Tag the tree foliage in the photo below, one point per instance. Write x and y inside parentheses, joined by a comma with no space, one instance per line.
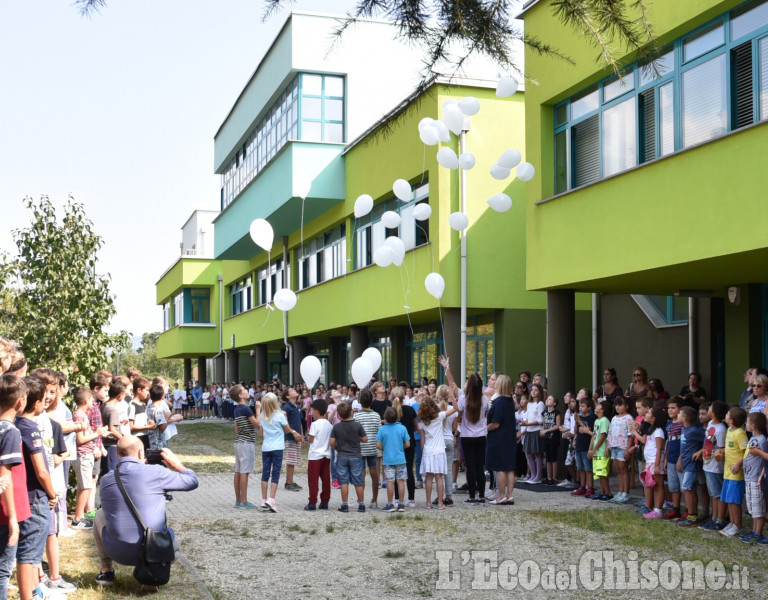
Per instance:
(485,27)
(52,300)
(145,360)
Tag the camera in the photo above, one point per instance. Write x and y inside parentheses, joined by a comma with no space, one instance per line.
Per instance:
(154,457)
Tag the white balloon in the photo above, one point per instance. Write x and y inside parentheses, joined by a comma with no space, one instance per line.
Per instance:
(310,369)
(469,105)
(447,158)
(499,172)
(262,234)
(506,87)
(450,102)
(453,118)
(398,249)
(443,134)
(509,159)
(422,211)
(429,136)
(363,205)
(284,299)
(525,171)
(467,161)
(435,285)
(383,256)
(373,356)
(425,122)
(500,202)
(402,189)
(458,221)
(391,219)
(362,371)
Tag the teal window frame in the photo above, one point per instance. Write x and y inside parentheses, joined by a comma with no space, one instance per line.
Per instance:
(565,174)
(666,308)
(368,229)
(197,305)
(324,97)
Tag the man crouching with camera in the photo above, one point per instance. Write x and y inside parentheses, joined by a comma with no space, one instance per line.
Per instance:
(117,532)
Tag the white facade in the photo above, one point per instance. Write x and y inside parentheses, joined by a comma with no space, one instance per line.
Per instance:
(197,234)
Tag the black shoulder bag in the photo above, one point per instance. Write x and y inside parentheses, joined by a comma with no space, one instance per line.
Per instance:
(156,553)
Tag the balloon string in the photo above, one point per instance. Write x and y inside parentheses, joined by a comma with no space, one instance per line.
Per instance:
(405,300)
(442,325)
(351,247)
(268,302)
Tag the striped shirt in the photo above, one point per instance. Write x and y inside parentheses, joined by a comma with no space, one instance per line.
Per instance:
(371,421)
(246,432)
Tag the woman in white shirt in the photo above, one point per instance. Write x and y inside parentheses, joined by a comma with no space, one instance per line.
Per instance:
(534,418)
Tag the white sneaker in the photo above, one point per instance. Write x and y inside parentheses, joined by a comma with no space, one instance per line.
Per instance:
(564,483)
(730,530)
(373,505)
(410,504)
(491,495)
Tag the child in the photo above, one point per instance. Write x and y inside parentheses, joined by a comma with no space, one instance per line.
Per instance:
(618,444)
(584,421)
(137,411)
(392,439)
(85,459)
(99,386)
(14,503)
(642,407)
(653,455)
(712,455)
(691,441)
(550,437)
(158,414)
(733,476)
(290,399)
(346,437)
(319,458)
(274,426)
(534,417)
(371,422)
(674,429)
(569,435)
(444,396)
(753,477)
(110,416)
(246,424)
(756,450)
(521,470)
(433,461)
(598,452)
(703,493)
(33,532)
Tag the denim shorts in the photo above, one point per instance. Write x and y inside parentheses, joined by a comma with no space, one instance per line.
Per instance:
(714,484)
(674,479)
(33,532)
(350,469)
(583,462)
(395,472)
(617,453)
(690,480)
(370,461)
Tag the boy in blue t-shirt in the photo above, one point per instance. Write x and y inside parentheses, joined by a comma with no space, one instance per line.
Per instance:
(691,441)
(673,432)
(392,439)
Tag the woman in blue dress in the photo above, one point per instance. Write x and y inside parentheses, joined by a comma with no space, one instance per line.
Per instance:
(501,455)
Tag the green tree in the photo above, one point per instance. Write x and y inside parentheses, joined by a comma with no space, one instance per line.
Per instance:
(485,27)
(145,360)
(53,301)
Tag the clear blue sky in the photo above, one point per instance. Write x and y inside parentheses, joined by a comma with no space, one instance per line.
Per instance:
(120,110)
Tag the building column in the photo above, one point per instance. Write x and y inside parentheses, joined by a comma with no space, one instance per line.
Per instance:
(300,351)
(187,370)
(233,365)
(220,368)
(452,342)
(262,362)
(561,341)
(202,371)
(398,338)
(358,337)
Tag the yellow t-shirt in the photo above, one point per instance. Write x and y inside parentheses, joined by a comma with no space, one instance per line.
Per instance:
(735,443)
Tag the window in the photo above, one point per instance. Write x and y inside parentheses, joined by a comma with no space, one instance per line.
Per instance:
(270,279)
(197,307)
(707,83)
(166,316)
(480,346)
(383,344)
(370,232)
(322,108)
(241,296)
(178,309)
(424,348)
(325,257)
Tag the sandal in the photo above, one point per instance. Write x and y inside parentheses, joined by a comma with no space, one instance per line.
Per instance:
(441,507)
(429,506)
(509,501)
(498,501)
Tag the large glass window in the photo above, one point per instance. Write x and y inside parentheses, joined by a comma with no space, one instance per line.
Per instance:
(424,348)
(325,257)
(166,316)
(241,295)
(197,305)
(320,101)
(707,83)
(178,309)
(481,355)
(270,279)
(370,232)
